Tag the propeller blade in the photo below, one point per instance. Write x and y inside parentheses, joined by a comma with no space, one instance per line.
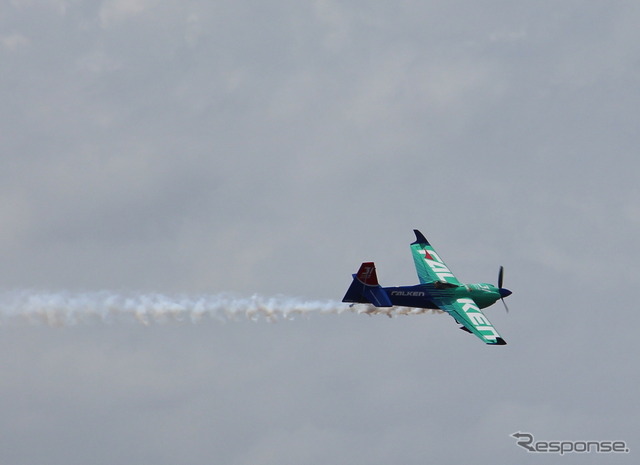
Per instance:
(503,292)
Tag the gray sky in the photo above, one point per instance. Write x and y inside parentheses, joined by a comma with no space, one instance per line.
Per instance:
(271,147)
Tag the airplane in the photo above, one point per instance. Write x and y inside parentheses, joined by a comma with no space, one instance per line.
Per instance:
(438,289)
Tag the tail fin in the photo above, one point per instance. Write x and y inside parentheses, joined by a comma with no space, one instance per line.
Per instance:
(365,288)
(367,274)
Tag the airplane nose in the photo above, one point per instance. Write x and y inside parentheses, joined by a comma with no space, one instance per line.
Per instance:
(505,292)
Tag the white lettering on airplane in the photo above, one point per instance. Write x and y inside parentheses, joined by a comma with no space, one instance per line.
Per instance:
(366,273)
(408,293)
(437,265)
(478,319)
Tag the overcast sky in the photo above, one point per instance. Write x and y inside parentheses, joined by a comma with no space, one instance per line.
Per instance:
(238,146)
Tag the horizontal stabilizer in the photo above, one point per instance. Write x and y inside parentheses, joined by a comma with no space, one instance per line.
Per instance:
(377,296)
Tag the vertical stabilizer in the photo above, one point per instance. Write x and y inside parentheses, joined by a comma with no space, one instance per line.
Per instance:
(365,288)
(367,274)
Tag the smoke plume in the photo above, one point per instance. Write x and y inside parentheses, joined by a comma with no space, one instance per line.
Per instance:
(66,308)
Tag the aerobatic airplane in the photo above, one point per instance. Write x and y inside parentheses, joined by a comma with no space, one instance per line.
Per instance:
(438,289)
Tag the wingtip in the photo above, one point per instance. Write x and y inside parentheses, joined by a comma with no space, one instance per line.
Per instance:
(500,342)
(420,239)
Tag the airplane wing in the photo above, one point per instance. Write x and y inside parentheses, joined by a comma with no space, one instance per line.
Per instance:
(429,265)
(466,312)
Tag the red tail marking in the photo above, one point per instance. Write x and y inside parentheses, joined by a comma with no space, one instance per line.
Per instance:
(367,274)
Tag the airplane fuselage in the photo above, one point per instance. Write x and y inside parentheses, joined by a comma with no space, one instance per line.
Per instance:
(427,295)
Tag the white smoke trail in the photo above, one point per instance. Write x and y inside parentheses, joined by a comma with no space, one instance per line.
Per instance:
(65,308)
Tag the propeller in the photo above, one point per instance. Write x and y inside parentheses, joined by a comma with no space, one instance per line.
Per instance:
(503,292)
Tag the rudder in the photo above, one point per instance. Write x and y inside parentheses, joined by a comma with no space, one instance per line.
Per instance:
(367,274)
(366,289)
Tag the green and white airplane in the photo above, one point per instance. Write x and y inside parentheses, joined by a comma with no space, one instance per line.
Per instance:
(438,289)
